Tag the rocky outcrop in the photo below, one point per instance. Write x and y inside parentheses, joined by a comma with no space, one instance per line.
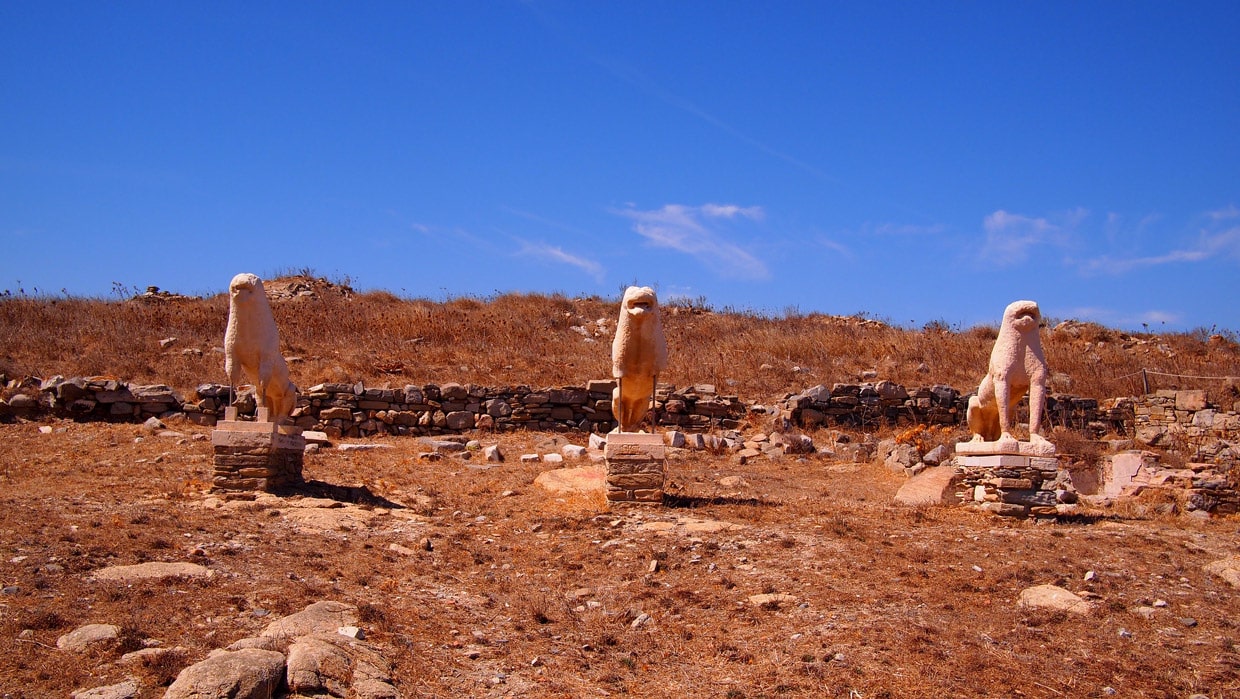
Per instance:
(315,652)
(243,674)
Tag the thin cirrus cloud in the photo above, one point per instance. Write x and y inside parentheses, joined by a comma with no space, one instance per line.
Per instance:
(1218,236)
(695,231)
(1010,237)
(1108,316)
(555,253)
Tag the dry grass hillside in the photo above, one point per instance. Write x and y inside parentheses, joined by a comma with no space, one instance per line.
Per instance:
(780,576)
(331,333)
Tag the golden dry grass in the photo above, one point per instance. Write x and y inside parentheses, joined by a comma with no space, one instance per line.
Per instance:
(554,340)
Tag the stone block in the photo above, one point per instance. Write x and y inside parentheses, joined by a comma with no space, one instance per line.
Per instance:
(1013,461)
(256,455)
(1190,400)
(635,467)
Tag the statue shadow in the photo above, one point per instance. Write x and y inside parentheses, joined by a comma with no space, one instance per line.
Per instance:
(355,495)
(693,501)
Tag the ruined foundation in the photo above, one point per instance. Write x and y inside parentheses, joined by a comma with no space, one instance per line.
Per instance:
(636,467)
(1013,485)
(256,456)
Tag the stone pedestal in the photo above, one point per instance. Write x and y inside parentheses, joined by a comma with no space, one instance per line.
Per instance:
(257,455)
(636,467)
(1010,483)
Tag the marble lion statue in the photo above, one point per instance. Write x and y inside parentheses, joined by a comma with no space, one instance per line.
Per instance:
(1017,365)
(638,354)
(252,347)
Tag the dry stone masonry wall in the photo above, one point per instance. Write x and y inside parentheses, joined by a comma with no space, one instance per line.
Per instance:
(354,410)
(886,403)
(1180,419)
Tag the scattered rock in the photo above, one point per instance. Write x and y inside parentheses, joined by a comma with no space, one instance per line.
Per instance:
(932,486)
(402,550)
(573,451)
(772,599)
(147,656)
(1053,597)
(936,456)
(493,454)
(1227,569)
(313,437)
(124,690)
(153,570)
(89,635)
(902,456)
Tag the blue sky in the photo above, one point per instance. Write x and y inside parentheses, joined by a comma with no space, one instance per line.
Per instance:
(912,161)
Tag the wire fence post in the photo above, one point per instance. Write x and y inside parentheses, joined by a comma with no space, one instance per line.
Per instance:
(1145,383)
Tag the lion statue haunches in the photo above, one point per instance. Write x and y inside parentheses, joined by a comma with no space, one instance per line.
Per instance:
(1017,365)
(638,354)
(252,347)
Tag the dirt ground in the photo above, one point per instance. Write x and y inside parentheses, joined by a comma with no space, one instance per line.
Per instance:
(524,593)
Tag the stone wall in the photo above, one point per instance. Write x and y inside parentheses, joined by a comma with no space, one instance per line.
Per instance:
(354,410)
(1178,420)
(870,405)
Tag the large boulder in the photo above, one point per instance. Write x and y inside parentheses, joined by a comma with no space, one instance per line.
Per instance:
(325,616)
(339,666)
(242,674)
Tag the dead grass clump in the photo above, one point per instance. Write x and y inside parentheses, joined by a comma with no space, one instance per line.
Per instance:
(161,669)
(43,620)
(1078,445)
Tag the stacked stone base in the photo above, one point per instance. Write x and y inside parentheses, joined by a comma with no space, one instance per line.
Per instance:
(256,456)
(636,467)
(1014,485)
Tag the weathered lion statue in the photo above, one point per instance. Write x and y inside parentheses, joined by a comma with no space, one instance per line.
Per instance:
(1017,365)
(638,354)
(252,347)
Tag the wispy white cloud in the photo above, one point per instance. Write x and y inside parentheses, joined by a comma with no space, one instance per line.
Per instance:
(1224,214)
(837,247)
(732,211)
(902,229)
(1218,237)
(1010,237)
(1123,319)
(555,253)
(693,230)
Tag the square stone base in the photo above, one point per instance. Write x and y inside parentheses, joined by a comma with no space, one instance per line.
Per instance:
(1010,485)
(636,467)
(256,456)
(1013,447)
